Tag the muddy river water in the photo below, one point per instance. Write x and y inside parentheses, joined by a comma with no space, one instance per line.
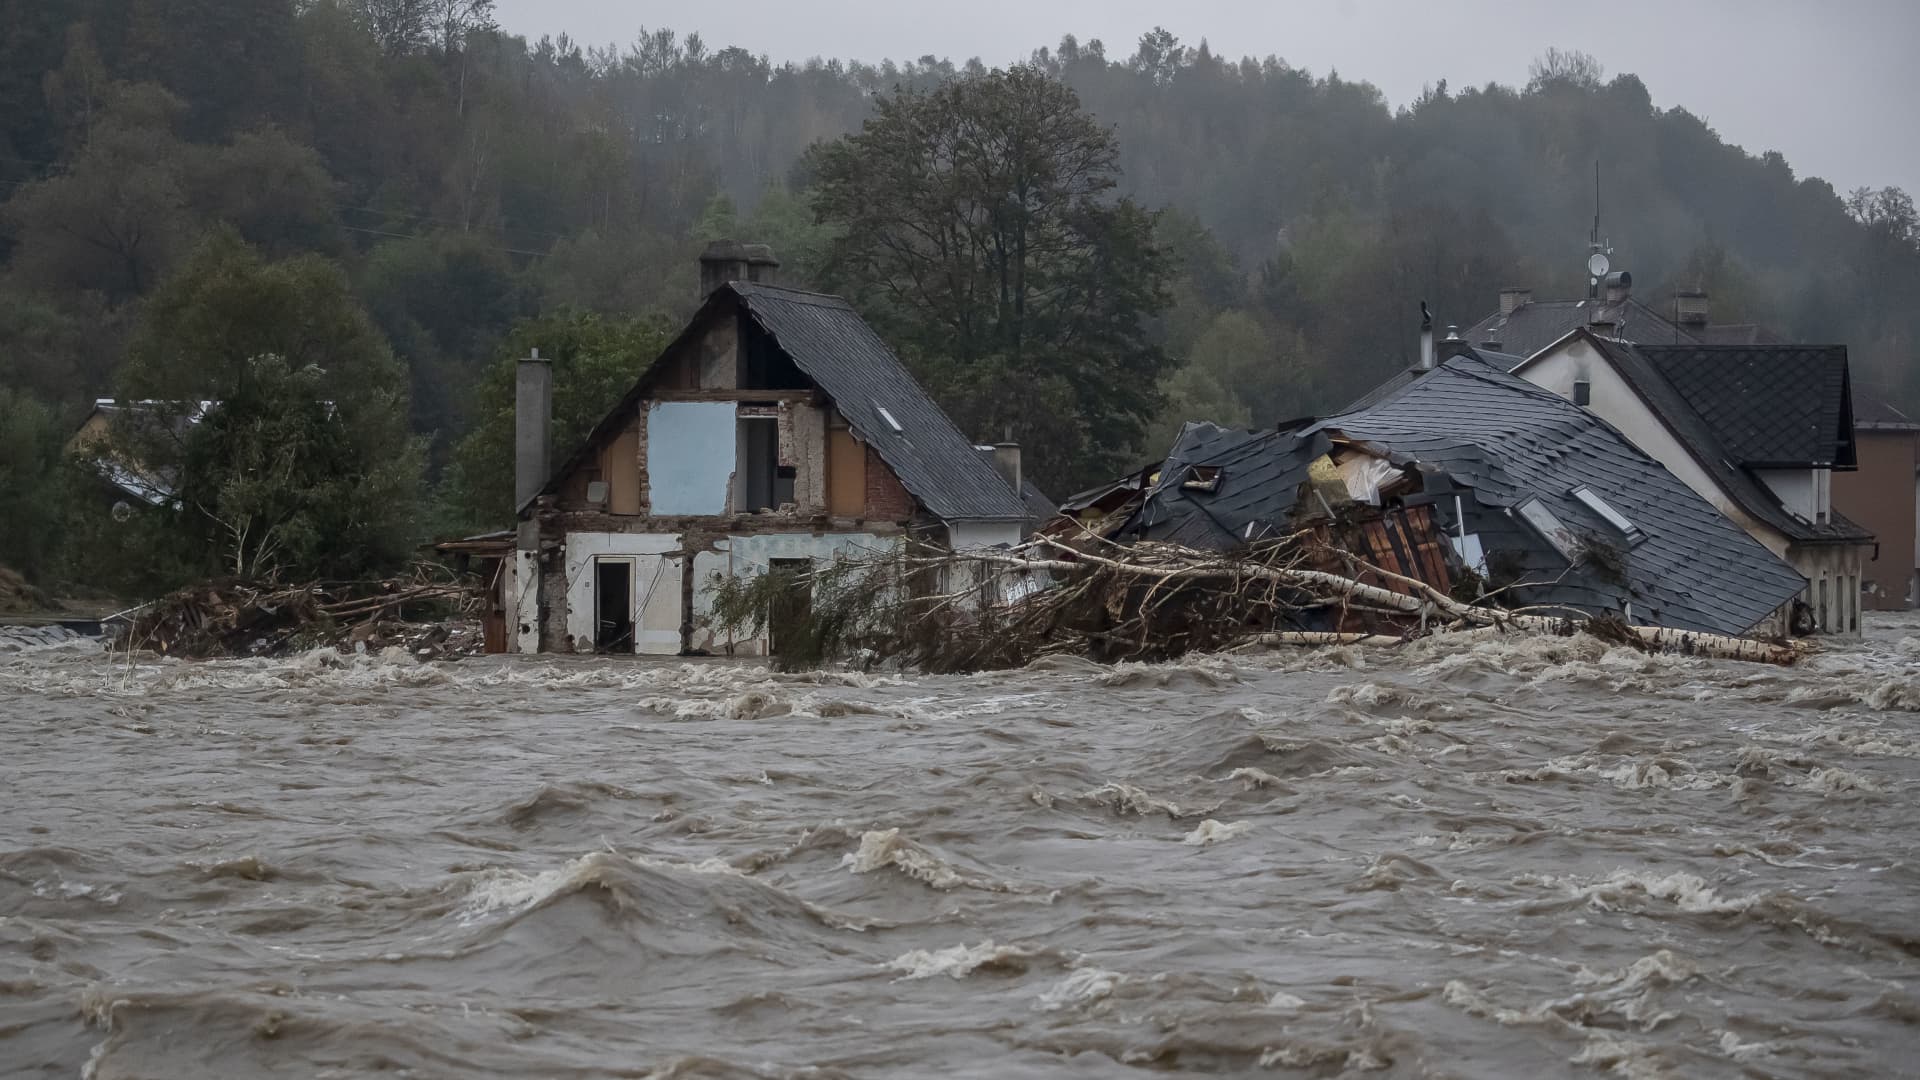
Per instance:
(1487,857)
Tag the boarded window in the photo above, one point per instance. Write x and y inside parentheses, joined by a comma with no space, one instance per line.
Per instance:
(846,474)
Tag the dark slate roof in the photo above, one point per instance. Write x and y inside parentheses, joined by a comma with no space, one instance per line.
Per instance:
(1702,443)
(1260,472)
(1510,440)
(1501,361)
(1535,325)
(1769,406)
(835,347)
(829,342)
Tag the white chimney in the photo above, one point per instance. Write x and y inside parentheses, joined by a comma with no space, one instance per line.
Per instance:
(1513,298)
(1426,338)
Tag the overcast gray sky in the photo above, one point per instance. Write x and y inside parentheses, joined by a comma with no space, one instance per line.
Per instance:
(1833,85)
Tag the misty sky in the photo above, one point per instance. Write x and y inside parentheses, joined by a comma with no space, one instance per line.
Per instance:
(1833,85)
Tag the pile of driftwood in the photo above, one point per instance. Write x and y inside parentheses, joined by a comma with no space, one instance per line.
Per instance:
(423,612)
(942,612)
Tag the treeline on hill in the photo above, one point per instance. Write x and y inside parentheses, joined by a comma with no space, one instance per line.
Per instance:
(343,218)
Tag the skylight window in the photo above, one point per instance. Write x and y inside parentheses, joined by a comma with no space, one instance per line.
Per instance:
(1591,500)
(1202,478)
(888,417)
(1535,513)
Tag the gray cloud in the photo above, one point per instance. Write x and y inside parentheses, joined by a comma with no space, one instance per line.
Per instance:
(1829,85)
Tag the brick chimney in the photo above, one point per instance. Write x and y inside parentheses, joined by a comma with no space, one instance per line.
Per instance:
(730,260)
(1690,307)
(1513,298)
(1619,286)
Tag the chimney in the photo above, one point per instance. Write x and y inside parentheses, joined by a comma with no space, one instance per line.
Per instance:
(728,260)
(1513,298)
(1619,286)
(1426,338)
(1451,346)
(532,427)
(1690,307)
(1006,458)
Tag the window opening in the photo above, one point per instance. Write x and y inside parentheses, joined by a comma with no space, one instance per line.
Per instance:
(1582,392)
(760,464)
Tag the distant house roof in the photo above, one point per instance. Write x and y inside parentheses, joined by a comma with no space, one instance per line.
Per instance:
(1872,413)
(1701,439)
(884,405)
(1510,444)
(1769,406)
(1539,323)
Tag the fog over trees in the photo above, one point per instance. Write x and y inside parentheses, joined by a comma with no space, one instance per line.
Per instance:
(1135,234)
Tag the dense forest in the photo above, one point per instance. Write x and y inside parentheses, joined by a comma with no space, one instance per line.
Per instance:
(376,204)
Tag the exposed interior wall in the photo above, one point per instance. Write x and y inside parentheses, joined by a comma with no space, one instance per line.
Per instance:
(690,456)
(1880,496)
(846,474)
(1615,402)
(654,586)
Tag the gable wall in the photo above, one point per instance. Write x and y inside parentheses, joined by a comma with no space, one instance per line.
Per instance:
(1616,402)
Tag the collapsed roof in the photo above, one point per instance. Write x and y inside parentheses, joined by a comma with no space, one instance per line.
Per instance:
(1535,493)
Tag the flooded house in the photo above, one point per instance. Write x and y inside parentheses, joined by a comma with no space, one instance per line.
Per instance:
(1474,481)
(776,431)
(1759,431)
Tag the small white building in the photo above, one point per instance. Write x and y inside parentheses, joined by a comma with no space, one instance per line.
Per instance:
(1757,430)
(776,429)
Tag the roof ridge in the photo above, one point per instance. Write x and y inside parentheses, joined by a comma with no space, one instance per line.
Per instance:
(798,296)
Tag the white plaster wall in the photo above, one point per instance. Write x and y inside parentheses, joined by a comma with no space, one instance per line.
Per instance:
(1796,489)
(965,535)
(748,556)
(1615,402)
(656,587)
(523,589)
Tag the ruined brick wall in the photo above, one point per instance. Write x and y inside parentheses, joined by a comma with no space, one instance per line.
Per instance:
(887,499)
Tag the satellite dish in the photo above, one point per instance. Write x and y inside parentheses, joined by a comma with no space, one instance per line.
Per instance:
(1597,264)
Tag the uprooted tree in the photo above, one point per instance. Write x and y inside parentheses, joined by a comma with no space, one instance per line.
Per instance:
(930,609)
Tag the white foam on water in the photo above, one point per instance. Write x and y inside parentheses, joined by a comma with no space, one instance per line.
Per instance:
(883,848)
(1083,987)
(956,961)
(1125,798)
(1210,832)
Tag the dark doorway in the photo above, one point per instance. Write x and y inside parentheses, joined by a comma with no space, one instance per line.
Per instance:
(792,607)
(613,605)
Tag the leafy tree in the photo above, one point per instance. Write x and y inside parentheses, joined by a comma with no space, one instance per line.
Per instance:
(595,361)
(33,487)
(115,221)
(978,223)
(301,466)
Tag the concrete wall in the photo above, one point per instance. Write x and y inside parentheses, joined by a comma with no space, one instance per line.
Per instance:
(690,456)
(1880,495)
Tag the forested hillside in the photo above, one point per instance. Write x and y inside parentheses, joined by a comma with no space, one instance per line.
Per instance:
(459,181)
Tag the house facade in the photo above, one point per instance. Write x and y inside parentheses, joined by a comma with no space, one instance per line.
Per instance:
(777,430)
(1881,496)
(1759,431)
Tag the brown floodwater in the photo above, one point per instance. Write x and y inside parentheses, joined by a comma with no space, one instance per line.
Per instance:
(1472,858)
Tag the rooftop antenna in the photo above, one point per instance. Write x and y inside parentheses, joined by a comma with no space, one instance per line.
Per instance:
(1597,249)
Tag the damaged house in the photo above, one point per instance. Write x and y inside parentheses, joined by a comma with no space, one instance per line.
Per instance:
(1471,480)
(1757,430)
(777,430)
